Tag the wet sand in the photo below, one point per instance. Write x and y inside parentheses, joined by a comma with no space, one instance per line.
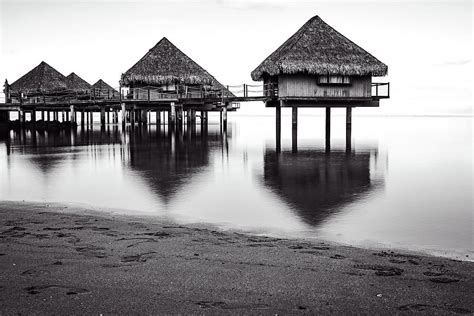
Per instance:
(56,259)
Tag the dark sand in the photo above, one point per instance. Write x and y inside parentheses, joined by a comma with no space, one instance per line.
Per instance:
(56,260)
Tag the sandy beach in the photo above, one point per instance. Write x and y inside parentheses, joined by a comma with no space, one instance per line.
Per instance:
(57,260)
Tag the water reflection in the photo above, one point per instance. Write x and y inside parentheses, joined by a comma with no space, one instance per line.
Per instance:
(168,161)
(316,184)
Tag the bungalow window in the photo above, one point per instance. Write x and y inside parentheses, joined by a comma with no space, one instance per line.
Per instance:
(334,80)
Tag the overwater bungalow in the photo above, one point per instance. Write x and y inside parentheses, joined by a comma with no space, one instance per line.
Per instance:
(320,67)
(166,72)
(102,90)
(318,64)
(78,86)
(42,83)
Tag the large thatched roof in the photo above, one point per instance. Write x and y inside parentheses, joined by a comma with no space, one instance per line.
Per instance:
(76,83)
(102,85)
(317,48)
(41,79)
(164,64)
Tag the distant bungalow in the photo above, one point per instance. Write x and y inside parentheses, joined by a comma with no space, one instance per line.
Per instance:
(43,80)
(318,63)
(167,70)
(102,90)
(78,85)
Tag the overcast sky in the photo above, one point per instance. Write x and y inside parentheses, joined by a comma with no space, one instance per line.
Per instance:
(426,45)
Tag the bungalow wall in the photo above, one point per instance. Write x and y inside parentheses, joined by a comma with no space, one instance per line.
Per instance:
(304,85)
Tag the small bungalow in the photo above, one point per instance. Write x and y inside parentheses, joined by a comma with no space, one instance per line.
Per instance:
(78,86)
(102,90)
(41,82)
(166,71)
(316,64)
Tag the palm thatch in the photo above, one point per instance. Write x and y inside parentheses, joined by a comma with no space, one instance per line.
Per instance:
(41,79)
(317,48)
(166,64)
(77,84)
(102,85)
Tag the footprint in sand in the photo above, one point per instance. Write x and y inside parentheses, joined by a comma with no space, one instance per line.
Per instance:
(142,257)
(380,270)
(432,308)
(38,289)
(444,280)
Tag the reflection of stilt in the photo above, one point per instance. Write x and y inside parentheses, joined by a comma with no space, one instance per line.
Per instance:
(278,127)
(328,129)
(348,129)
(294,129)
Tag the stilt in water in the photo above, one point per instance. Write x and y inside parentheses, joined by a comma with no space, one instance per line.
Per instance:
(348,129)
(278,127)
(124,115)
(73,114)
(82,118)
(102,116)
(33,116)
(158,118)
(328,130)
(294,129)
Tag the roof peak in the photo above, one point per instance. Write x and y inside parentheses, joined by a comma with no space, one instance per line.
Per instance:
(317,48)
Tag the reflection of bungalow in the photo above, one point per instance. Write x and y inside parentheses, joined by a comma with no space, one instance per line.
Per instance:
(102,90)
(41,82)
(77,85)
(317,185)
(318,63)
(166,72)
(169,163)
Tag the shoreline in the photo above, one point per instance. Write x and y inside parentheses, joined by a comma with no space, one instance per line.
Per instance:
(54,262)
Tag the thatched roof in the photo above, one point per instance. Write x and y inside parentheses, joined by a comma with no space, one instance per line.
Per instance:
(41,79)
(317,48)
(164,64)
(76,83)
(102,85)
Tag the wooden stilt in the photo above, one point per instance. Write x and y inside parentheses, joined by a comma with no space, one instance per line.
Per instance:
(158,117)
(21,116)
(328,129)
(73,114)
(348,129)
(294,129)
(278,126)
(102,116)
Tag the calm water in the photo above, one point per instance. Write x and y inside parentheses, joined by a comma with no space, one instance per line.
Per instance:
(406,184)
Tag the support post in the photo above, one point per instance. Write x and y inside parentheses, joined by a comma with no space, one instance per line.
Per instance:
(172,114)
(108,117)
(294,129)
(21,116)
(224,117)
(144,117)
(102,116)
(33,116)
(348,129)
(42,116)
(73,114)
(328,129)
(278,126)
(158,117)
(48,115)
(82,117)
(124,115)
